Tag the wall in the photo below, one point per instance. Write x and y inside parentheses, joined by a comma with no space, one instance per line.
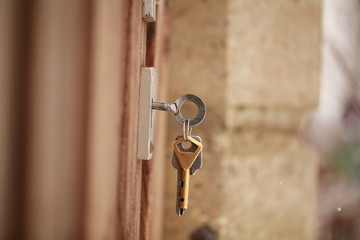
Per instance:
(256,64)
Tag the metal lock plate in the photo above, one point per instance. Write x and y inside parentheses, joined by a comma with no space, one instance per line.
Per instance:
(149,10)
(145,132)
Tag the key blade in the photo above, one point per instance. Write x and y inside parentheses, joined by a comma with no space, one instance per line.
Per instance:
(181,211)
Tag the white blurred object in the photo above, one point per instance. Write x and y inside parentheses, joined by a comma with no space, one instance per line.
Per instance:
(337,119)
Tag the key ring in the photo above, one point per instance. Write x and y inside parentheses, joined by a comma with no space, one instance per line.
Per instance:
(174,109)
(187,129)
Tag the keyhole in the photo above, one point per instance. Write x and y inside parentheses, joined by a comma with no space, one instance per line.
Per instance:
(189,110)
(186,145)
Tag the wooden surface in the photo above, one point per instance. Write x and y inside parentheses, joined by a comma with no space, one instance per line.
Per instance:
(56,128)
(7,60)
(153,171)
(70,78)
(106,109)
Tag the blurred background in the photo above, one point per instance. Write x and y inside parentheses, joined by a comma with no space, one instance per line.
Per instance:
(257,66)
(281,137)
(281,82)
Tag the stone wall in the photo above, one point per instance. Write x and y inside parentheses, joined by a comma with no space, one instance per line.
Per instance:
(256,65)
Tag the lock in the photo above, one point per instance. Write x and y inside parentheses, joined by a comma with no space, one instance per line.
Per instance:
(147,107)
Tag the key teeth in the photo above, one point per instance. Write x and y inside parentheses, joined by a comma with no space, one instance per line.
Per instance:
(181,211)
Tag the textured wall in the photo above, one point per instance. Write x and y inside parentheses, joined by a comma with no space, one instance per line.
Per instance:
(256,64)
(197,61)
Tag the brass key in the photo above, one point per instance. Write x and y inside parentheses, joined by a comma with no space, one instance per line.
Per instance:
(186,160)
(194,168)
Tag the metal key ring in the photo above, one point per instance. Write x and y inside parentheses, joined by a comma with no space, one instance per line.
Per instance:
(198,102)
(174,109)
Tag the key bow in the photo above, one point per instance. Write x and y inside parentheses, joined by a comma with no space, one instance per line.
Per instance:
(187,159)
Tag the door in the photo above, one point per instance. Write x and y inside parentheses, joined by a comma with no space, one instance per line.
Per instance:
(70,96)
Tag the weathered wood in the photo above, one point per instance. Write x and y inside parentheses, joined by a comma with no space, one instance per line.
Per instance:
(130,168)
(116,216)
(153,171)
(73,138)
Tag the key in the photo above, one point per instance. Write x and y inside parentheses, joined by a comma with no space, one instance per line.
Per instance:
(186,160)
(199,160)
(196,166)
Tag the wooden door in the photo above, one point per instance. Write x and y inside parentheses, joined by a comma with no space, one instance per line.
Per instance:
(69,105)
